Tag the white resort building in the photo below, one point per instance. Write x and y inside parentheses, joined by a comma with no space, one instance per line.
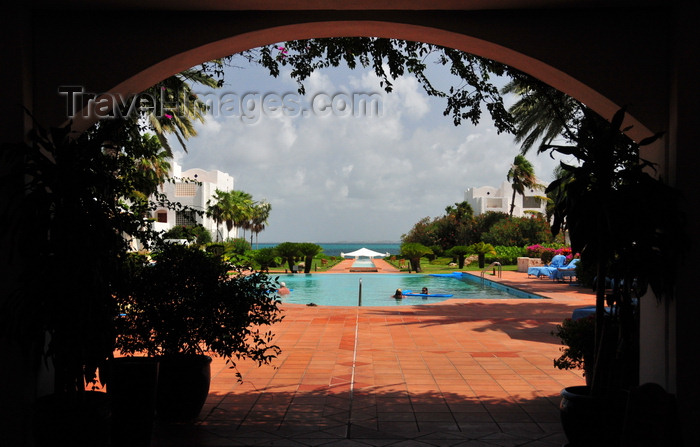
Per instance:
(488,198)
(193,188)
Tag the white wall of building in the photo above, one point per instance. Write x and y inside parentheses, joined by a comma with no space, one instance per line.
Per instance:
(193,188)
(489,198)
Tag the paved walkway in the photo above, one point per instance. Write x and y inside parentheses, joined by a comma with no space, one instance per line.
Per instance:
(456,373)
(344,267)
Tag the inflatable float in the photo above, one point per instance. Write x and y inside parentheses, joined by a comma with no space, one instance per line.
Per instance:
(448,275)
(427,295)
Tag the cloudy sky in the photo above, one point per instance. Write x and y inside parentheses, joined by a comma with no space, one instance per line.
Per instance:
(335,177)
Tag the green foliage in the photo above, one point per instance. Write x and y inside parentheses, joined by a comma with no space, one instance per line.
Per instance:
(62,192)
(234,208)
(288,251)
(482,249)
(414,251)
(422,233)
(308,250)
(265,258)
(436,251)
(519,231)
(506,255)
(237,246)
(522,176)
(187,303)
(217,249)
(392,58)
(459,252)
(456,227)
(536,250)
(579,338)
(546,256)
(585,274)
(484,222)
(541,113)
(625,223)
(152,166)
(192,233)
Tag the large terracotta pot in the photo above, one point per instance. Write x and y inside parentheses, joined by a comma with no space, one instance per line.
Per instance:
(183,386)
(591,421)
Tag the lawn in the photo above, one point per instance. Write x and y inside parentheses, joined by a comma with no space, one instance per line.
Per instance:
(441,265)
(438,265)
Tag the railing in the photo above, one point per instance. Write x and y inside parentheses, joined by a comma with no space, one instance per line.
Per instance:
(493,265)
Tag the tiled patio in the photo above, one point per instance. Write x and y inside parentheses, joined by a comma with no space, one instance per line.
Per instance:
(458,373)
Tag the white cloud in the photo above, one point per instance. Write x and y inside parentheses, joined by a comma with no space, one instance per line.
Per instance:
(353,178)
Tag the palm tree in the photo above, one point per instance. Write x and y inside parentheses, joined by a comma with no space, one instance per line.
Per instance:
(177,106)
(521,175)
(151,166)
(414,251)
(308,250)
(230,207)
(482,249)
(556,198)
(459,252)
(542,112)
(219,210)
(242,209)
(288,251)
(261,212)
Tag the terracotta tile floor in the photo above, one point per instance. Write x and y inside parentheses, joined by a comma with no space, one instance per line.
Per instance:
(457,373)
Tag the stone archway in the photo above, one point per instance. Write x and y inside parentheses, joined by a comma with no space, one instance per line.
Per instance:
(537,68)
(639,56)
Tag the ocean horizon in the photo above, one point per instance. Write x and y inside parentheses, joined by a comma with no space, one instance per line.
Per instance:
(336,248)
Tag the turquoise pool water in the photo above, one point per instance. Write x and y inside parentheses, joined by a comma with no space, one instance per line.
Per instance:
(363,263)
(343,289)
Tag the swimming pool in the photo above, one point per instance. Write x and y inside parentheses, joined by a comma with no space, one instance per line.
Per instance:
(329,289)
(363,262)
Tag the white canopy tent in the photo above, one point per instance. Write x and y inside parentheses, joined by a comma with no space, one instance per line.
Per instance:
(365,252)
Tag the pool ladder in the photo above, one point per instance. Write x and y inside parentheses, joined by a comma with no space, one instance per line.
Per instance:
(492,265)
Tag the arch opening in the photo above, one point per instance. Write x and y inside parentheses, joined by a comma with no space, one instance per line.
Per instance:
(546,73)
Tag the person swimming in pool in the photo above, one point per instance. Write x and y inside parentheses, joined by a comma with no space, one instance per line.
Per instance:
(283,290)
(424,291)
(398,294)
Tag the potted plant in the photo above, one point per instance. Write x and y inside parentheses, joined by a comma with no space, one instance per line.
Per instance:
(578,337)
(186,305)
(65,194)
(626,223)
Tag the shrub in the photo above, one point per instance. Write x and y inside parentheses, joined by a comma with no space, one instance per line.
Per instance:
(506,255)
(579,338)
(237,246)
(547,251)
(534,251)
(187,303)
(265,258)
(518,231)
(546,255)
(192,233)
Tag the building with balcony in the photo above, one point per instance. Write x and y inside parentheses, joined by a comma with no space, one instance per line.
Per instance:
(488,198)
(193,188)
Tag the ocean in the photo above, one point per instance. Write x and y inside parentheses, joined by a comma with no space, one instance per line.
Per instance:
(334,249)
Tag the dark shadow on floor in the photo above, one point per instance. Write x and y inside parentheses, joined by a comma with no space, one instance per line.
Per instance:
(369,416)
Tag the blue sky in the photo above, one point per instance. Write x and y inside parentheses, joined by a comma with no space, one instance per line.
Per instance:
(348,178)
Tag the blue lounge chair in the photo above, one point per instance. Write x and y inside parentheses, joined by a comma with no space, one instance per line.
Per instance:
(569,271)
(557,261)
